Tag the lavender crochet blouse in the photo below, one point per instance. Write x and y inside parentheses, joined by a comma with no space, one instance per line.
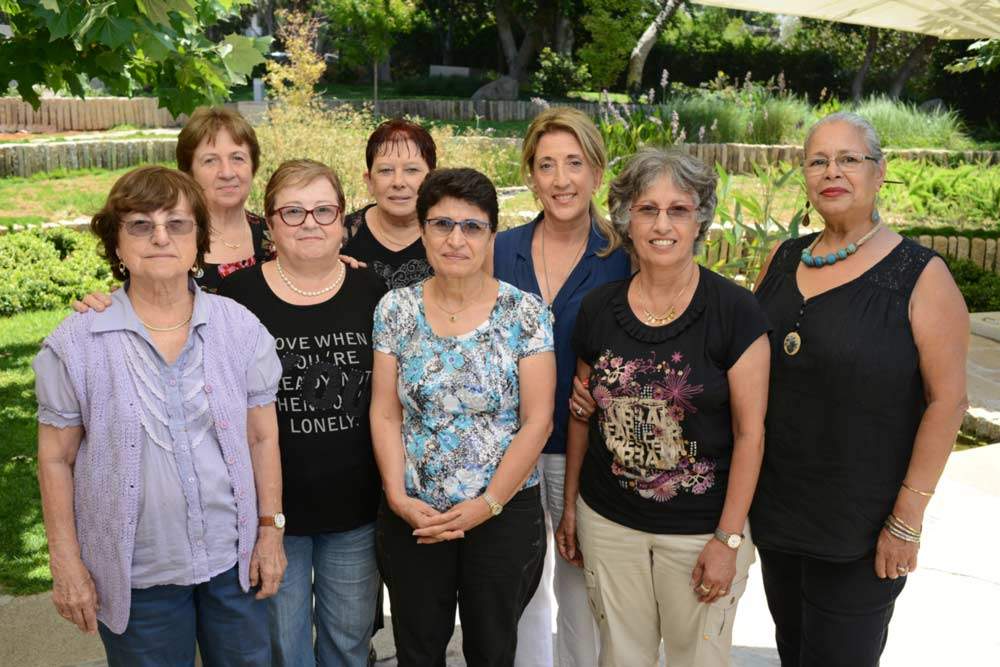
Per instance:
(188,516)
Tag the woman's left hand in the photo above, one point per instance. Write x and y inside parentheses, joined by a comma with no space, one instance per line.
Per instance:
(267,564)
(714,572)
(353,263)
(581,403)
(894,557)
(470,513)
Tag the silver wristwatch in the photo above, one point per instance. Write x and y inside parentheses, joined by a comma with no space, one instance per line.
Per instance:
(731,540)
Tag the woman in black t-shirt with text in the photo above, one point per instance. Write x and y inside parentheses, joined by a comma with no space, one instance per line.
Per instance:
(662,478)
(320,313)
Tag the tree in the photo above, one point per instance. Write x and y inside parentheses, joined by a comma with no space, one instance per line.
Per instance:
(613,25)
(364,31)
(542,23)
(453,21)
(858,85)
(294,83)
(637,59)
(132,46)
(913,62)
(985,54)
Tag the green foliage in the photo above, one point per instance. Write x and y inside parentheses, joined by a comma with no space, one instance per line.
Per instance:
(557,75)
(438,86)
(614,26)
(902,125)
(24,557)
(363,31)
(294,83)
(984,54)
(948,230)
(960,194)
(145,45)
(980,288)
(47,269)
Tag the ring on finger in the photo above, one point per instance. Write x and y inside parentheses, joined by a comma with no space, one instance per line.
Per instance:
(902,570)
(704,589)
(579,411)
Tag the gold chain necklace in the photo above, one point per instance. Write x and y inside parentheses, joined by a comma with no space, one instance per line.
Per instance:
(329,288)
(165,329)
(667,317)
(453,314)
(382,230)
(545,265)
(218,235)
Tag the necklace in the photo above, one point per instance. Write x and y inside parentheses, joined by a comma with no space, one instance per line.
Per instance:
(453,314)
(384,234)
(667,317)
(232,246)
(828,260)
(175,327)
(545,266)
(329,288)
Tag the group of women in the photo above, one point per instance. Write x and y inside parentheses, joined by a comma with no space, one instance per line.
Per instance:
(443,407)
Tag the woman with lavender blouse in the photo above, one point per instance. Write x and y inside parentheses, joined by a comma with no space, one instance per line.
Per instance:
(157,447)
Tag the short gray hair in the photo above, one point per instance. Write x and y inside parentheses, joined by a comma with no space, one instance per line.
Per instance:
(858,122)
(688,173)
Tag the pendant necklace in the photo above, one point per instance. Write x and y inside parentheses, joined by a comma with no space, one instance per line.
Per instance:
(329,288)
(453,314)
(792,342)
(545,270)
(671,314)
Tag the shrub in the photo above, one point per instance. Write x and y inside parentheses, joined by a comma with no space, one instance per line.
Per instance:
(964,193)
(42,269)
(557,75)
(902,125)
(980,288)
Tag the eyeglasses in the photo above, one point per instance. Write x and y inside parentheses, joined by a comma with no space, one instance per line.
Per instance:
(173,227)
(847,162)
(471,229)
(293,216)
(647,214)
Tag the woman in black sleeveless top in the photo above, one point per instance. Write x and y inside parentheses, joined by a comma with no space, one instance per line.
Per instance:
(867,393)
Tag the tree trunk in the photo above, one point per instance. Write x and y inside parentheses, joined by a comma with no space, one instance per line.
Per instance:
(858,85)
(910,66)
(375,87)
(517,57)
(564,34)
(637,59)
(385,69)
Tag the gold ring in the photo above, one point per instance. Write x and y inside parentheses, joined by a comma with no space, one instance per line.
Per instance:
(902,570)
(723,591)
(579,412)
(704,589)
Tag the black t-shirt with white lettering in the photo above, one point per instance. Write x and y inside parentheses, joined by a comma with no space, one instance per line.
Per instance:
(330,480)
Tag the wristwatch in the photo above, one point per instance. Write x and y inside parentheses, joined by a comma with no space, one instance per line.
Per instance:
(276,520)
(733,540)
(495,507)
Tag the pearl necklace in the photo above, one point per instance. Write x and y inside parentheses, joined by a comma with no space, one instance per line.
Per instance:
(329,288)
(668,317)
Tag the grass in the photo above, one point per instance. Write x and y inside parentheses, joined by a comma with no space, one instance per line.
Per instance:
(24,558)
(902,125)
(495,128)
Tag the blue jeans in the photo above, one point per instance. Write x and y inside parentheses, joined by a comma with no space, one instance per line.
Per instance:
(338,569)
(230,626)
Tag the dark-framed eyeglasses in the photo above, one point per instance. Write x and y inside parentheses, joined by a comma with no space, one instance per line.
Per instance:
(144,227)
(293,216)
(647,214)
(847,162)
(471,228)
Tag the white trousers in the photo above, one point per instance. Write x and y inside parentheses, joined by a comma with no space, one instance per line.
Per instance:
(640,590)
(562,583)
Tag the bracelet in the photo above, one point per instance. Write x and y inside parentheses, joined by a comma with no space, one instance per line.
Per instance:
(925,494)
(910,529)
(899,529)
(906,537)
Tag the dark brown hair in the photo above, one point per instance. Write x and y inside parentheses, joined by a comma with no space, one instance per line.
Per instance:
(398,130)
(463,184)
(207,122)
(145,190)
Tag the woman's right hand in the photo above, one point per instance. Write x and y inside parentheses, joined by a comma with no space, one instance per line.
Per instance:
(566,542)
(581,403)
(419,514)
(74,593)
(96,301)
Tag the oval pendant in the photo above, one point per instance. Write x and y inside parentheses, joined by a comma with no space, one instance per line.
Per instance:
(792,343)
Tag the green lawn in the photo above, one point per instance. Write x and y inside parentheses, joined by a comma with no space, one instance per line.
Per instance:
(24,559)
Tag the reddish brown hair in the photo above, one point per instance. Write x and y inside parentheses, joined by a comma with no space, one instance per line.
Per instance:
(145,190)
(207,122)
(393,132)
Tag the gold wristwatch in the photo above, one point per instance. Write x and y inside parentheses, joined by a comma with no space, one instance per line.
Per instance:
(495,507)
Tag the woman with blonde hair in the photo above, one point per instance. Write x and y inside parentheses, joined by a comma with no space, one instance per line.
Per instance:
(561,255)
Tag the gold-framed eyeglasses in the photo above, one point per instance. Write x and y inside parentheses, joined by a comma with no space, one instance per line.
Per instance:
(145,227)
(293,216)
(847,162)
(647,214)
(471,228)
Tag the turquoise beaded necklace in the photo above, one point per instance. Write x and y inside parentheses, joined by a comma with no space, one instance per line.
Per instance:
(817,261)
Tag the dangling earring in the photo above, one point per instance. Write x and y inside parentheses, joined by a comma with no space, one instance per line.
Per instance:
(805,217)
(876,218)
(122,268)
(197,272)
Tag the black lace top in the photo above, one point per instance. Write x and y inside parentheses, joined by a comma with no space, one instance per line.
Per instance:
(843,411)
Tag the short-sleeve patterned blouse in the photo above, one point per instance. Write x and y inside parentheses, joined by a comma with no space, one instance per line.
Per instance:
(460,394)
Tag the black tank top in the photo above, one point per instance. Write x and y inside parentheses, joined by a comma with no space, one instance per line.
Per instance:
(843,411)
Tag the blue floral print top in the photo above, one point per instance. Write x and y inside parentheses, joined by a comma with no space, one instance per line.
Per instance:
(460,394)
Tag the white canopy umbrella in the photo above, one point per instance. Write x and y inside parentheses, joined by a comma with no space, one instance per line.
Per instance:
(947,19)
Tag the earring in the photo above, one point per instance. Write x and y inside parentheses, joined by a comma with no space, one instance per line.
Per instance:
(876,218)
(805,218)
(122,268)
(197,272)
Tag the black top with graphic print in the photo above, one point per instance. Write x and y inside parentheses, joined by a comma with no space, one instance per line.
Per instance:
(403,268)
(661,439)
(330,481)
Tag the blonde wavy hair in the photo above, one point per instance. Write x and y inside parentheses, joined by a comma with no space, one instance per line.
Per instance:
(580,125)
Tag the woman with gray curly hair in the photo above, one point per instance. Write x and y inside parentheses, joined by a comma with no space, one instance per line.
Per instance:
(658,485)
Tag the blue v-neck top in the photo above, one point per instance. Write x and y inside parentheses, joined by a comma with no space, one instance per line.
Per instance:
(512,263)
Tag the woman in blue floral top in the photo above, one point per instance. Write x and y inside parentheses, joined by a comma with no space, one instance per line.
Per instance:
(658,487)
(462,402)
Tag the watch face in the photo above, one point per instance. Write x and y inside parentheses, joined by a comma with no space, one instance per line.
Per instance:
(279,520)
(497,508)
(734,541)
